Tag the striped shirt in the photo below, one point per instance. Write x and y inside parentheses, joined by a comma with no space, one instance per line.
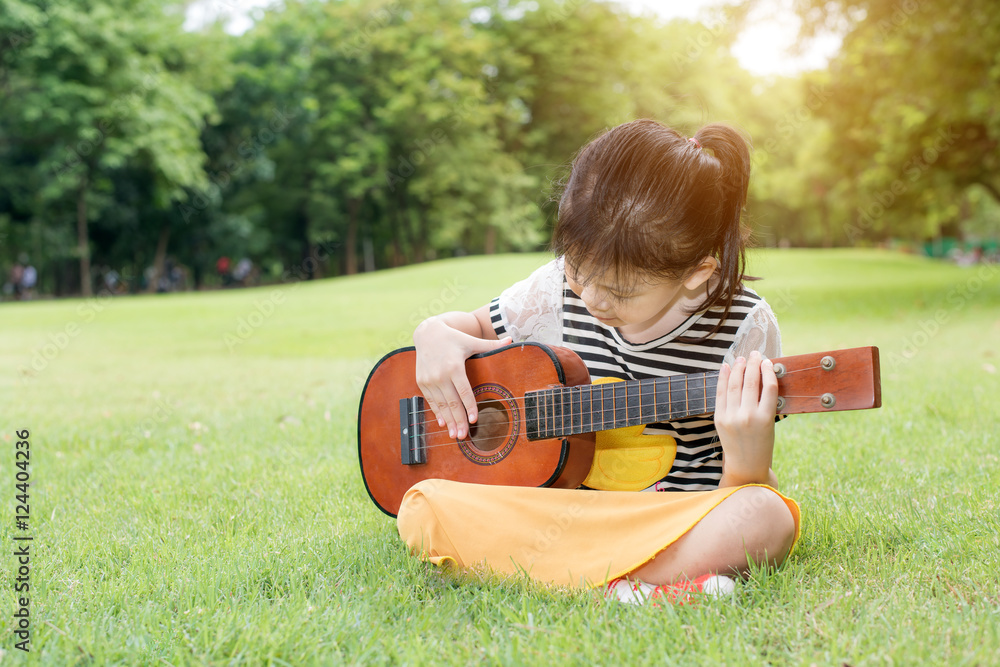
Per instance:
(544,309)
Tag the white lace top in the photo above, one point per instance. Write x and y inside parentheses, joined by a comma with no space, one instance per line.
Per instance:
(543,309)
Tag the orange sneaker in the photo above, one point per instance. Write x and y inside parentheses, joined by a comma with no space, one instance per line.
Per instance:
(681,592)
(687,591)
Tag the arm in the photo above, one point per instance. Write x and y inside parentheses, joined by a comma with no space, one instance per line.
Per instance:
(529,310)
(477,323)
(772,478)
(443,343)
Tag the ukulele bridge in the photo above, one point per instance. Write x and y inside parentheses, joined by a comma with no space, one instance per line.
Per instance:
(411,432)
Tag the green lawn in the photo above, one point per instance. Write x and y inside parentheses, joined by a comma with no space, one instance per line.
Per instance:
(196,498)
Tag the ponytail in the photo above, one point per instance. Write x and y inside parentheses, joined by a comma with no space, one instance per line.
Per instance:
(731,152)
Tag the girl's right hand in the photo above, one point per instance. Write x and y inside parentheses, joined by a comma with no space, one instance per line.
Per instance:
(440,372)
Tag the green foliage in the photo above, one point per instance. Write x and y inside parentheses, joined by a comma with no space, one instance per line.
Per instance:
(105,101)
(913,110)
(334,137)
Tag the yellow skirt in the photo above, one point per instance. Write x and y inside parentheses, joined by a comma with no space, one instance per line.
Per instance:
(563,536)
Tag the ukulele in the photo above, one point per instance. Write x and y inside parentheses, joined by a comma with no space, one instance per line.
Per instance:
(538,412)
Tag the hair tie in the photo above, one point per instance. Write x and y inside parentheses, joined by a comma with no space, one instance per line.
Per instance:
(695,142)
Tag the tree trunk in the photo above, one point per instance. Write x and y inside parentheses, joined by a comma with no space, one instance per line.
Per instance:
(83,238)
(306,267)
(317,266)
(406,218)
(824,217)
(423,233)
(394,229)
(351,242)
(490,243)
(159,258)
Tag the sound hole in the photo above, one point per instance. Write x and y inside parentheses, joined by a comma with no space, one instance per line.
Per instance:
(491,429)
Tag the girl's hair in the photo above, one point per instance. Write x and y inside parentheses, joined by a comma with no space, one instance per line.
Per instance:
(643,200)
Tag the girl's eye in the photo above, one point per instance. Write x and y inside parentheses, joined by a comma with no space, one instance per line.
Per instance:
(618,297)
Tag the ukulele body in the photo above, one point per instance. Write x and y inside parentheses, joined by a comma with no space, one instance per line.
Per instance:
(496,451)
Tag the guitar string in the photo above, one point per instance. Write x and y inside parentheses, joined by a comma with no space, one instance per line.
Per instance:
(452,442)
(705,387)
(564,418)
(711,382)
(521,399)
(799,370)
(709,378)
(506,436)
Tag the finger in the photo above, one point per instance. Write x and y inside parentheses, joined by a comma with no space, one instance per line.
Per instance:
(467,396)
(442,411)
(506,340)
(477,345)
(751,382)
(462,400)
(735,385)
(455,414)
(436,398)
(769,388)
(430,401)
(720,388)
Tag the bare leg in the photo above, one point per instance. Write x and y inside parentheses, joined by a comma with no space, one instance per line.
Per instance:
(753,523)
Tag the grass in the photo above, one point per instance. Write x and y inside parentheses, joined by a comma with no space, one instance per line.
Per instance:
(196,499)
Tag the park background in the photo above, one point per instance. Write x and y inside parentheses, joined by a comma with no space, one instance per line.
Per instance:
(336,137)
(194,493)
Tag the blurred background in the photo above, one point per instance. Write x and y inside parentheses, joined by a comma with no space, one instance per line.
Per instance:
(154,146)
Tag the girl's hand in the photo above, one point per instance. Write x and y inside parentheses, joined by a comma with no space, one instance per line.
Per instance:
(440,370)
(745,405)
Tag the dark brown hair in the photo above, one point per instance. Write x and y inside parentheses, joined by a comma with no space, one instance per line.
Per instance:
(642,198)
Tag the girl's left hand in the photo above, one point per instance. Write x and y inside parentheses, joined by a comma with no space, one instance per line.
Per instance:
(745,405)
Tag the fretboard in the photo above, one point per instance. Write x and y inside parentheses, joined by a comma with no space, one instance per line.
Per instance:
(564,411)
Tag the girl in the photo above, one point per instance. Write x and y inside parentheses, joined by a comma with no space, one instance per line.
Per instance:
(648,282)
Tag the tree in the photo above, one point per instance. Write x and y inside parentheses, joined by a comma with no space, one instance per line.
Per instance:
(912,110)
(100,85)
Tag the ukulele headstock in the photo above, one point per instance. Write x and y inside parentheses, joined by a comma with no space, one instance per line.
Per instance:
(829,381)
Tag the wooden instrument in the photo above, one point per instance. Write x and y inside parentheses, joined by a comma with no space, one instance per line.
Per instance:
(538,412)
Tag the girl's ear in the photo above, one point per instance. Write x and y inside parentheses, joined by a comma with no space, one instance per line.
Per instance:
(701,273)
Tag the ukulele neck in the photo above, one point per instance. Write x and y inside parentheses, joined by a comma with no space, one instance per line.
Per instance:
(565,411)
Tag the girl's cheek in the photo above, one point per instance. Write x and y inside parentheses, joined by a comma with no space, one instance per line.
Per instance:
(574,287)
(594,298)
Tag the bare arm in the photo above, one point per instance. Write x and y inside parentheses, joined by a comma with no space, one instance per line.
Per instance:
(730,480)
(477,323)
(443,343)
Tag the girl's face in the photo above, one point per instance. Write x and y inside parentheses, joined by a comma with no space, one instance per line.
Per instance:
(639,305)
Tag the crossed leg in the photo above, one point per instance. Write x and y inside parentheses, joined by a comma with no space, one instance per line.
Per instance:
(752,526)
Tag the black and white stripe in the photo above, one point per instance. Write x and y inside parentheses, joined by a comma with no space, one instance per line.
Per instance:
(698,463)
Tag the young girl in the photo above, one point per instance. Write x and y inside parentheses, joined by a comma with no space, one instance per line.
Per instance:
(648,282)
